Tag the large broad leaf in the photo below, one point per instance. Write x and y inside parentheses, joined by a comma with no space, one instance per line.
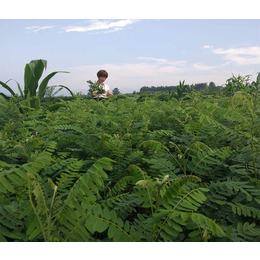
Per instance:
(67,89)
(28,79)
(27,98)
(37,67)
(37,102)
(32,74)
(4,96)
(7,88)
(44,83)
(18,85)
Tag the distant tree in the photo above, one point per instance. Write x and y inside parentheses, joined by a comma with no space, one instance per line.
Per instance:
(197,86)
(115,91)
(154,89)
(212,85)
(134,92)
(145,89)
(200,86)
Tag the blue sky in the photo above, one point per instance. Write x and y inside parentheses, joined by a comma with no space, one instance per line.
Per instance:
(135,52)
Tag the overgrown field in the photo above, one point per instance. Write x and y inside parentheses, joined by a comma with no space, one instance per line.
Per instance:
(132,169)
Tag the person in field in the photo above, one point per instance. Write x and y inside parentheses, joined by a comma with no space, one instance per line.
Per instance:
(102,76)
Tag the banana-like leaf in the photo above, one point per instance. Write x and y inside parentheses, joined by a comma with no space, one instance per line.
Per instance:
(44,83)
(28,97)
(67,89)
(7,88)
(57,91)
(28,79)
(18,85)
(3,95)
(32,74)
(37,102)
(39,66)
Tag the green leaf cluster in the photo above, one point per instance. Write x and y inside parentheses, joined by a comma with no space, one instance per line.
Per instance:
(125,170)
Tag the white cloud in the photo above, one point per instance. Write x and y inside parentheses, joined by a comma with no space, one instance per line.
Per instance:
(114,30)
(152,59)
(207,47)
(104,26)
(170,69)
(241,56)
(179,63)
(36,29)
(202,67)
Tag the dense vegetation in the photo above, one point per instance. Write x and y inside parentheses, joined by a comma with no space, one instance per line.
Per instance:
(132,168)
(198,86)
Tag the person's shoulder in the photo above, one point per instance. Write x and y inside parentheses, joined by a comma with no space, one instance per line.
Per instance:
(106,86)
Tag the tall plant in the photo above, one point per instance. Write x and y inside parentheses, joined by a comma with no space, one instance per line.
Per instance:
(241,83)
(180,91)
(33,91)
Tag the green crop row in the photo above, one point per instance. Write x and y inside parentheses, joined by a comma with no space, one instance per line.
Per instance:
(136,168)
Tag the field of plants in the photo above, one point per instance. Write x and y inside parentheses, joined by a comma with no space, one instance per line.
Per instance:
(132,168)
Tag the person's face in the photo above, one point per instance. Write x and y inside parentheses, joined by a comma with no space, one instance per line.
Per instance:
(101,79)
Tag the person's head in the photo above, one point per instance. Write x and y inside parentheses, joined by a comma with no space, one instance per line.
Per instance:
(102,76)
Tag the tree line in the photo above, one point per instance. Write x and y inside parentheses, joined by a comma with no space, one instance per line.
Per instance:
(197,86)
(153,89)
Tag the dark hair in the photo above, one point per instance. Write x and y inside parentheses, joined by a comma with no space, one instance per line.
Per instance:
(102,73)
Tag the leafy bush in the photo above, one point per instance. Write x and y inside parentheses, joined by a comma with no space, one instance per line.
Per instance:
(241,83)
(123,170)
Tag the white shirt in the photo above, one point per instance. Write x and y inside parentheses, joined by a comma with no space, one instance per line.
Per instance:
(104,95)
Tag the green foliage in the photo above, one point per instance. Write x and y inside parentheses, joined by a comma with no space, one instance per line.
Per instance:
(132,169)
(116,91)
(180,90)
(241,83)
(95,87)
(34,91)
